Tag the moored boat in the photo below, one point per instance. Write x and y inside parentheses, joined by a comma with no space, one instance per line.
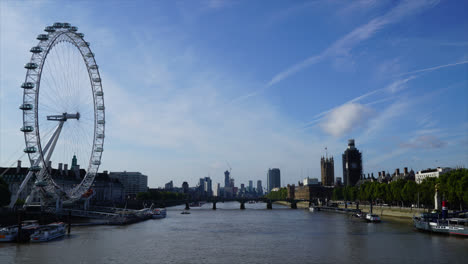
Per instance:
(10,233)
(48,232)
(372,218)
(448,226)
(159,213)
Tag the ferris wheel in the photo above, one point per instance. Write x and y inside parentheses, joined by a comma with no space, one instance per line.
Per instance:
(63,113)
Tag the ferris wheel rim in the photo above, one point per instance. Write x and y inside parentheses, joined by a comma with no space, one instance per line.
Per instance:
(47,42)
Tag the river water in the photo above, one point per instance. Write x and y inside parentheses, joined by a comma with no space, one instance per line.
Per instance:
(254,235)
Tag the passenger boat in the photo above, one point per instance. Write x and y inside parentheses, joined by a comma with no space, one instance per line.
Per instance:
(449,226)
(159,213)
(10,233)
(48,232)
(372,218)
(311,209)
(185,212)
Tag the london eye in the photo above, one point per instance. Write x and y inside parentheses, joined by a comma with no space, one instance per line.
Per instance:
(63,113)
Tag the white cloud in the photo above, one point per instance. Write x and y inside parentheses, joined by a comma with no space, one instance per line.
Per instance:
(345,118)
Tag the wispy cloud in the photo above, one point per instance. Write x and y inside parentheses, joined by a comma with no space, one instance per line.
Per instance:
(392,88)
(435,68)
(343,46)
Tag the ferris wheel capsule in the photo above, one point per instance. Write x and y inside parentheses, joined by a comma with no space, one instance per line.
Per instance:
(73,29)
(36,49)
(27,85)
(30,66)
(27,129)
(58,25)
(66,25)
(49,29)
(42,37)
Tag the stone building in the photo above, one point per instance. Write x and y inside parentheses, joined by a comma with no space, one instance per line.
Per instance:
(327,167)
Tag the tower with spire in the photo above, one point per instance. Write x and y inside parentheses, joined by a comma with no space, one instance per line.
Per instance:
(327,166)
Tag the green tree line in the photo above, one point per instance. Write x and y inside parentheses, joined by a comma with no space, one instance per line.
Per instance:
(281,194)
(452,186)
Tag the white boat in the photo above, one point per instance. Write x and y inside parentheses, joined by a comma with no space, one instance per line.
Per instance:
(159,213)
(373,218)
(49,232)
(9,234)
(449,226)
(312,209)
(185,212)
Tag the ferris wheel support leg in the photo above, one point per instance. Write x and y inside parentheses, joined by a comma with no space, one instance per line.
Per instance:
(53,139)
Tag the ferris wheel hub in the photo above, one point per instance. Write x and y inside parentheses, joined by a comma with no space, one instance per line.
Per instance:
(64,117)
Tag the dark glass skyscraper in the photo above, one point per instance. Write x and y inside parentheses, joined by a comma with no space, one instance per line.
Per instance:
(226,179)
(352,164)
(273,179)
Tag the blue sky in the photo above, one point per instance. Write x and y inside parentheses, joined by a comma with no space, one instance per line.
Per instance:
(190,85)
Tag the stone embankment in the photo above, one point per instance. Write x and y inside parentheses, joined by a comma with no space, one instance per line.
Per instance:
(401,212)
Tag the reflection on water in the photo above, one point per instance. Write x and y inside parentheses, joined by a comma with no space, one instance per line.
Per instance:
(254,235)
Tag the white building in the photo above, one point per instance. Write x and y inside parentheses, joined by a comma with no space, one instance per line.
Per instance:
(133,182)
(310,181)
(217,190)
(423,174)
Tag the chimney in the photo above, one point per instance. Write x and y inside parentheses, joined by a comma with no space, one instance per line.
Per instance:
(372,175)
(406,170)
(383,174)
(60,168)
(397,171)
(105,172)
(65,168)
(49,166)
(380,174)
(18,167)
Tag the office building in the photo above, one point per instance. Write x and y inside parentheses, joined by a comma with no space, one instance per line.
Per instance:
(273,179)
(352,164)
(259,187)
(208,187)
(250,186)
(227,179)
(423,174)
(133,182)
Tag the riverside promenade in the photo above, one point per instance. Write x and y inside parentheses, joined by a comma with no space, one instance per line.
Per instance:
(405,213)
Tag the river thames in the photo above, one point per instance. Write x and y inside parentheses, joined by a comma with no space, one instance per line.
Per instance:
(254,235)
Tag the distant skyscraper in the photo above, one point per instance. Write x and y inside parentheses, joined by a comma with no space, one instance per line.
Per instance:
(201,186)
(250,186)
(273,179)
(327,166)
(185,187)
(259,187)
(208,186)
(217,190)
(352,164)
(226,179)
